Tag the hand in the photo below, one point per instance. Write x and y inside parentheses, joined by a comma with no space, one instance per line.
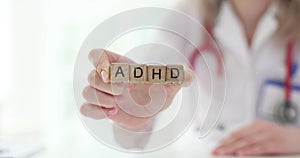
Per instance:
(104,98)
(261,138)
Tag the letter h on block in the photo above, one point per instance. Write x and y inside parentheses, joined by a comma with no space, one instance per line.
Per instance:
(156,74)
(140,73)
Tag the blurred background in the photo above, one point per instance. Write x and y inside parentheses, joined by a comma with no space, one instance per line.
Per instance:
(39,43)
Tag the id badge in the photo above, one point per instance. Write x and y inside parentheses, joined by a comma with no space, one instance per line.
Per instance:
(271,96)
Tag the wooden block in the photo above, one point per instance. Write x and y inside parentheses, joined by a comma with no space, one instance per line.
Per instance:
(156,74)
(119,73)
(175,74)
(138,73)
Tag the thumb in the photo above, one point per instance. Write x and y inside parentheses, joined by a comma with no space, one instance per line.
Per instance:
(101,59)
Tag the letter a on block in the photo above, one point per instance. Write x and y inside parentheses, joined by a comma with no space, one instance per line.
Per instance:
(175,74)
(119,73)
(138,73)
(156,74)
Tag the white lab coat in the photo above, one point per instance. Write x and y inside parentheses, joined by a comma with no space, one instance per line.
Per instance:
(246,68)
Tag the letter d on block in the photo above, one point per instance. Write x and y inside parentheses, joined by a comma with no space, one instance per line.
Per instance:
(119,73)
(138,73)
(175,74)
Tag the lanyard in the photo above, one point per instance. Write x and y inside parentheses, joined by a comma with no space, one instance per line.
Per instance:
(289,69)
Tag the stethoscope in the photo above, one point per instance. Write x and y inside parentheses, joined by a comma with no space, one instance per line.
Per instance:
(287,111)
(208,46)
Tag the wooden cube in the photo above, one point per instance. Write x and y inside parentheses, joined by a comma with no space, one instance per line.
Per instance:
(175,74)
(119,73)
(156,74)
(138,73)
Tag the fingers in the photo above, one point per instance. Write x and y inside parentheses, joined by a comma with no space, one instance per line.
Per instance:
(101,60)
(250,150)
(188,77)
(97,112)
(101,93)
(96,97)
(245,141)
(100,56)
(172,89)
(92,111)
(258,149)
(230,149)
(237,140)
(96,82)
(244,132)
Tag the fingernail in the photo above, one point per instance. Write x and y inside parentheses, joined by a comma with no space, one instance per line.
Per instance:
(112,111)
(104,76)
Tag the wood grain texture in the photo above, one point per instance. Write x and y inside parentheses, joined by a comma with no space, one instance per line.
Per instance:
(141,73)
(138,73)
(175,74)
(156,74)
(119,73)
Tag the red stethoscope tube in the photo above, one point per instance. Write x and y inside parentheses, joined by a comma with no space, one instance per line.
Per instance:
(289,69)
(208,47)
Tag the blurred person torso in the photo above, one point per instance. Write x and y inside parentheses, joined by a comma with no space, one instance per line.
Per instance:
(246,68)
